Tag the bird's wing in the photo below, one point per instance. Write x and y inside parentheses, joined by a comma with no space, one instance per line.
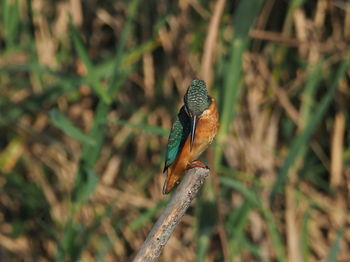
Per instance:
(178,134)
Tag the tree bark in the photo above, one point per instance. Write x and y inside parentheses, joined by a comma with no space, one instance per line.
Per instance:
(171,215)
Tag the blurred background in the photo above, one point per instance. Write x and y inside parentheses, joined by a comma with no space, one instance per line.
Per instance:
(88,93)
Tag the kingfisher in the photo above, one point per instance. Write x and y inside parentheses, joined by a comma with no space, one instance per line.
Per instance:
(193,130)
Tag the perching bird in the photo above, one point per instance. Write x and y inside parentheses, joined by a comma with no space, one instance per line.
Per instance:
(193,130)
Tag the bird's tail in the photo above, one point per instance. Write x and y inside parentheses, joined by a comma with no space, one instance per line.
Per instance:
(170,181)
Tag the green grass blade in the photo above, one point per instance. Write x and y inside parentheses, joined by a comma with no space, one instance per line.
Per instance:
(146,217)
(299,142)
(60,121)
(202,249)
(206,219)
(156,130)
(275,235)
(308,95)
(76,237)
(253,199)
(104,245)
(333,252)
(113,86)
(80,48)
(66,241)
(90,153)
(236,225)
(254,249)
(304,238)
(84,57)
(106,68)
(85,185)
(244,18)
(239,187)
(11,22)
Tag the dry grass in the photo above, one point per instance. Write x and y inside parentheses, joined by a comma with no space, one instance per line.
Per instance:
(280,180)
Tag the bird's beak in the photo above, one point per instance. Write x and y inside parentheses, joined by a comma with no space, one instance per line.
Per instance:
(193,130)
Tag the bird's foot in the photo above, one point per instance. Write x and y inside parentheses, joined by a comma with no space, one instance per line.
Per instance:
(196,163)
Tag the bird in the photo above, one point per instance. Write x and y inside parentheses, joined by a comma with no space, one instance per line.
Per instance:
(194,128)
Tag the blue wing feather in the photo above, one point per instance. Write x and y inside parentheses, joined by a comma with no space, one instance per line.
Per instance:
(178,135)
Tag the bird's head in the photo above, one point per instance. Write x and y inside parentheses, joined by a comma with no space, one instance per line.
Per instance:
(196,102)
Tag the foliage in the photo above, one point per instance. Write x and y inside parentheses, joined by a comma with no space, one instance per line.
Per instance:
(88,92)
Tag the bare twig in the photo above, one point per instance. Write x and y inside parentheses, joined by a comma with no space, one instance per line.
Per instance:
(171,216)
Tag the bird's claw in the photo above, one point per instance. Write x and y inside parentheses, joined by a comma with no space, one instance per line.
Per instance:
(196,163)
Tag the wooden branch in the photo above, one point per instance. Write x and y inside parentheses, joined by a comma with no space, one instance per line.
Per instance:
(172,214)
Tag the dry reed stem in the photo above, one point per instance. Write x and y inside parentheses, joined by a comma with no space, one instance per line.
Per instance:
(337,149)
(211,42)
(171,216)
(208,58)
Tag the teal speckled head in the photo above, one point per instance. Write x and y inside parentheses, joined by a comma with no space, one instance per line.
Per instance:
(196,98)
(196,102)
